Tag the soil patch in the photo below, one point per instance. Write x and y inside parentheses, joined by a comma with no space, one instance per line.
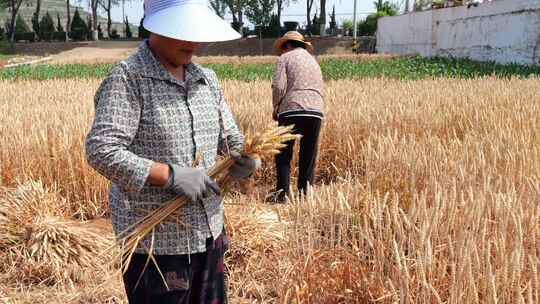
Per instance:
(114,51)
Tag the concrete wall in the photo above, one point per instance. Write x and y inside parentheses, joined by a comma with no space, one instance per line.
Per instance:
(505,31)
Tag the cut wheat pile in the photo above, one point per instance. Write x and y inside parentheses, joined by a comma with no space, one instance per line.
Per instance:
(427,192)
(40,243)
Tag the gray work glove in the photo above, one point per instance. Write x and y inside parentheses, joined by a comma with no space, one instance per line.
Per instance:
(244,165)
(193,183)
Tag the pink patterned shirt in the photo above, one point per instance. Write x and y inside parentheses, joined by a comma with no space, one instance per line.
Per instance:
(297,83)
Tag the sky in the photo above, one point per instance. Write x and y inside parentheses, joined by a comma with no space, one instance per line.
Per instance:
(295,12)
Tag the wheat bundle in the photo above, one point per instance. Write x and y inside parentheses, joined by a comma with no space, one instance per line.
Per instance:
(43,246)
(258,240)
(21,205)
(259,145)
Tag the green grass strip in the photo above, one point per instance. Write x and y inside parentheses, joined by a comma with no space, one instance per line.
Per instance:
(45,72)
(397,68)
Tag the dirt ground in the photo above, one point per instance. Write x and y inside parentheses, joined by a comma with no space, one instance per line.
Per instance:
(113,51)
(95,52)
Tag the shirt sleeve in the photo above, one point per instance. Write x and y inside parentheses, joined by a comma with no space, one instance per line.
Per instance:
(279,83)
(230,137)
(116,120)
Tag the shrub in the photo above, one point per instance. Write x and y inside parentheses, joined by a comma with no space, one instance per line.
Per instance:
(315,26)
(290,25)
(369,26)
(79,35)
(58,36)
(347,26)
(46,36)
(114,34)
(28,36)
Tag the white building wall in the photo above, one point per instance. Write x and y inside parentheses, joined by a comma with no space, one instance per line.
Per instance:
(504,31)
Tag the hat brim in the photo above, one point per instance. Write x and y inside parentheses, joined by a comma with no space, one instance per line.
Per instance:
(190,22)
(281,41)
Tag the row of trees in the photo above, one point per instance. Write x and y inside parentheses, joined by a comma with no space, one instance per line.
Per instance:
(268,13)
(265,14)
(92,25)
(47,29)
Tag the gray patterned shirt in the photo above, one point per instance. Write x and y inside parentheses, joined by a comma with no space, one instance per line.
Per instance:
(143,114)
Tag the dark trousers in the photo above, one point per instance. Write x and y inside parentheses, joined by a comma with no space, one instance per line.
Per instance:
(309,128)
(196,279)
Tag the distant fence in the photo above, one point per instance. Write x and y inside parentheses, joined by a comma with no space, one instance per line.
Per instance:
(501,31)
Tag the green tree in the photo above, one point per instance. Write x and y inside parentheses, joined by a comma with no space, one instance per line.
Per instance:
(78,22)
(46,27)
(237,9)
(384,8)
(79,29)
(59,27)
(274,26)
(21,26)
(14,6)
(388,7)
(420,5)
(259,12)
(309,6)
(315,25)
(114,34)
(35,17)
(219,7)
(333,22)
(347,26)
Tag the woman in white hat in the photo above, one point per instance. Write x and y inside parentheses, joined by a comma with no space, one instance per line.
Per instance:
(156,114)
(297,93)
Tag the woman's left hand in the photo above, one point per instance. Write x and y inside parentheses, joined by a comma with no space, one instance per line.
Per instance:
(244,165)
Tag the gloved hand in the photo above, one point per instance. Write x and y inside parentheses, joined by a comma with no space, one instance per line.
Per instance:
(244,165)
(193,183)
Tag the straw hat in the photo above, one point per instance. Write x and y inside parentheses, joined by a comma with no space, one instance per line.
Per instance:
(188,20)
(294,36)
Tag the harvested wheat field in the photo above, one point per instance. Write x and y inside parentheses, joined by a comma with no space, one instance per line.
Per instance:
(428,192)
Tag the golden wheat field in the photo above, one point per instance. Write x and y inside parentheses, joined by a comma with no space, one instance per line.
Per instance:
(428,192)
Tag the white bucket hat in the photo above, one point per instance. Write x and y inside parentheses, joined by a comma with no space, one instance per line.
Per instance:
(188,20)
